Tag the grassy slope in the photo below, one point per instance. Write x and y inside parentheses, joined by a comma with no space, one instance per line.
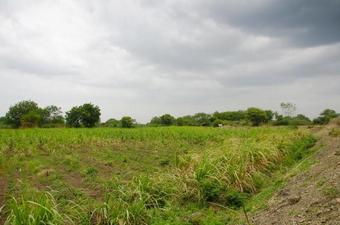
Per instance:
(175,175)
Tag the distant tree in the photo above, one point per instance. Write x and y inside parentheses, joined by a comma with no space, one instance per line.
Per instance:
(155,121)
(90,115)
(329,113)
(127,122)
(300,119)
(86,115)
(16,112)
(230,115)
(111,123)
(186,121)
(256,116)
(325,116)
(167,120)
(52,115)
(202,119)
(288,109)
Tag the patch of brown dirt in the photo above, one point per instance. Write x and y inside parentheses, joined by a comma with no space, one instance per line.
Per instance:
(312,197)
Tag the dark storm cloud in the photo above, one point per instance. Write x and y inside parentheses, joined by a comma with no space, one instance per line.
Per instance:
(303,22)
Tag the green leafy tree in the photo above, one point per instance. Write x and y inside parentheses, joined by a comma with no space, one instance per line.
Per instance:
(127,122)
(17,111)
(167,120)
(256,116)
(86,115)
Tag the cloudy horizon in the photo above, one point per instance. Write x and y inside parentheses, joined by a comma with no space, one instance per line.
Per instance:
(145,57)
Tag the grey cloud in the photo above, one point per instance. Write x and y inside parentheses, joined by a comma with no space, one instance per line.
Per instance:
(303,22)
(149,57)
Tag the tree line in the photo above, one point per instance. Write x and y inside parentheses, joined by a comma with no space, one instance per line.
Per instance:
(26,114)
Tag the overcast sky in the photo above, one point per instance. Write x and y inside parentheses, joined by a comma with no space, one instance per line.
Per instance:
(148,57)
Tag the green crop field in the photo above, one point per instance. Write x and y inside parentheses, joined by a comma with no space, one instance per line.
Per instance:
(164,175)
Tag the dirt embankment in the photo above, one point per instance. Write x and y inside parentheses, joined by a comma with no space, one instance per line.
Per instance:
(312,197)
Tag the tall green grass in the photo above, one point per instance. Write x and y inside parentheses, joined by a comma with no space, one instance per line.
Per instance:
(142,176)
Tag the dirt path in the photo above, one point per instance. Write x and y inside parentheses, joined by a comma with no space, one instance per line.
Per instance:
(3,189)
(312,197)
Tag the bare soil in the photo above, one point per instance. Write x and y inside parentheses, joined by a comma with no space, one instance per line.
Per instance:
(311,197)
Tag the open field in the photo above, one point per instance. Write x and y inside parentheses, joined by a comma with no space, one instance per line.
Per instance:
(164,175)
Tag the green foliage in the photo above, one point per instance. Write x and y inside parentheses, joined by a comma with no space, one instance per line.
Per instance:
(74,117)
(127,122)
(231,115)
(167,120)
(155,121)
(186,121)
(202,119)
(3,123)
(256,116)
(17,111)
(87,115)
(325,116)
(29,114)
(111,123)
(31,119)
(298,120)
(164,120)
